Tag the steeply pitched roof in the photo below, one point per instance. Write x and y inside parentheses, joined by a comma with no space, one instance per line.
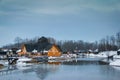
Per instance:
(50,46)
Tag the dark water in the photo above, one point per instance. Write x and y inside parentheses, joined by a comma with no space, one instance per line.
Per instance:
(72,70)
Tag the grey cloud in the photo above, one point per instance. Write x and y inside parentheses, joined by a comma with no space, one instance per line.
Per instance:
(57,7)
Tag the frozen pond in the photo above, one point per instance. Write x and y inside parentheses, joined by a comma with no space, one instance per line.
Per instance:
(72,70)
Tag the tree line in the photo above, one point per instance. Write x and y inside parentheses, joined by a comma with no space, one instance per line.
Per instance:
(107,43)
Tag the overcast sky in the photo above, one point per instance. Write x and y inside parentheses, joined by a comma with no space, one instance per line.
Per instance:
(87,20)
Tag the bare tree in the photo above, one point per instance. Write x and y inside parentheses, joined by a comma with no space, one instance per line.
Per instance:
(102,45)
(18,40)
(107,43)
(51,40)
(118,39)
(113,43)
(112,40)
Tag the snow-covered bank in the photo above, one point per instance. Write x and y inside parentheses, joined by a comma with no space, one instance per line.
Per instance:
(104,54)
(115,63)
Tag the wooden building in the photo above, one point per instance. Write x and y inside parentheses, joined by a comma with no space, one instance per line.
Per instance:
(23,50)
(54,51)
(49,50)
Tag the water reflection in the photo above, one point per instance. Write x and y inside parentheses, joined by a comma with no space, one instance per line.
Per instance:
(55,70)
(116,68)
(43,70)
(7,70)
(40,70)
(110,72)
(81,63)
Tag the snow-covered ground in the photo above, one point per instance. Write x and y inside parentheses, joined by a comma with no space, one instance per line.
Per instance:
(64,56)
(116,56)
(104,54)
(115,63)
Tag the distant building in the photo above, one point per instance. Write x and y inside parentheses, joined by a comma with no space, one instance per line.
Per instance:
(49,50)
(3,51)
(54,51)
(23,50)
